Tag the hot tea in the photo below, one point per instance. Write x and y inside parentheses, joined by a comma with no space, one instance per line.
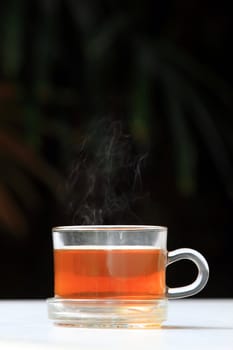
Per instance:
(114,276)
(93,272)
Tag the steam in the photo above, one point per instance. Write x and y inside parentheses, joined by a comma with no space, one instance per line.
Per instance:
(106,179)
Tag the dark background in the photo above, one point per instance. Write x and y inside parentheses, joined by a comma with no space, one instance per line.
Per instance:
(155,78)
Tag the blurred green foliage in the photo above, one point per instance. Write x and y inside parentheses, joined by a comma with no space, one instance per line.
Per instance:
(62,62)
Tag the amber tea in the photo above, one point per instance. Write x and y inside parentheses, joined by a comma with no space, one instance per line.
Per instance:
(110,272)
(114,276)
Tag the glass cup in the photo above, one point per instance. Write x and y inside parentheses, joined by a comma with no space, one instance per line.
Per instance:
(115,276)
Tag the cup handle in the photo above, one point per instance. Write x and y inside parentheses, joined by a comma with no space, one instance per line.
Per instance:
(202,277)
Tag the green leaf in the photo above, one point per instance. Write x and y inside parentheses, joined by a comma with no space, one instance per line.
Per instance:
(13,26)
(185,152)
(33,124)
(139,121)
(196,72)
(99,45)
(202,119)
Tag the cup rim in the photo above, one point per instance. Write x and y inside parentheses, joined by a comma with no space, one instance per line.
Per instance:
(108,227)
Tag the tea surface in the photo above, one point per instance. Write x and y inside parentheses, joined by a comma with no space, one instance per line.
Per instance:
(115,272)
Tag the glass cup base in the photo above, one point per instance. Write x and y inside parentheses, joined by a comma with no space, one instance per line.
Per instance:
(96,313)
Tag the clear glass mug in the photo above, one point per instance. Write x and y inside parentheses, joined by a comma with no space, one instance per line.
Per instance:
(115,276)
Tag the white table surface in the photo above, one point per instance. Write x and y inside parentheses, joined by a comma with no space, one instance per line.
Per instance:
(192,324)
